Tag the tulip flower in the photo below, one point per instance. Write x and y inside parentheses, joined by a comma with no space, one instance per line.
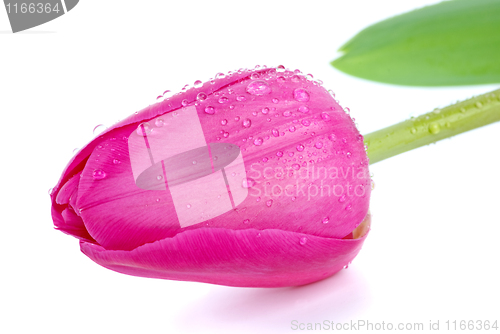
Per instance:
(258,178)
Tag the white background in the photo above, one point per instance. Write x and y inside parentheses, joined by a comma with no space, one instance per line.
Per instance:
(432,253)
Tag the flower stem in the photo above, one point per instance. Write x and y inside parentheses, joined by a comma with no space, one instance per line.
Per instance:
(431,127)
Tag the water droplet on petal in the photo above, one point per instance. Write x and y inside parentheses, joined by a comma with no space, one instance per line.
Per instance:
(223,99)
(303,109)
(347,208)
(295,78)
(326,220)
(247,123)
(303,241)
(306,122)
(246,221)
(258,88)
(184,103)
(326,116)
(296,166)
(98,174)
(292,129)
(188,206)
(210,110)
(198,84)
(300,147)
(98,129)
(265,110)
(275,100)
(318,145)
(280,79)
(258,141)
(223,122)
(159,177)
(248,182)
(116,161)
(144,129)
(287,113)
(269,202)
(201,96)
(279,153)
(159,122)
(301,95)
(342,198)
(275,132)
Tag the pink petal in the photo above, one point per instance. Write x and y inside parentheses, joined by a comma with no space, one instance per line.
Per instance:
(245,258)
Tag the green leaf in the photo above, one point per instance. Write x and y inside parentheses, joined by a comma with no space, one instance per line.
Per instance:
(447,44)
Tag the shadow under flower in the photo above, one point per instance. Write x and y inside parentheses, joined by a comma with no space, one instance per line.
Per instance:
(338,298)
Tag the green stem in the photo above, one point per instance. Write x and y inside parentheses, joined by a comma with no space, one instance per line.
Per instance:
(431,127)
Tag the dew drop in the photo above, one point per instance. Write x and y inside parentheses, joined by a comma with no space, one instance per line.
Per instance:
(188,206)
(287,113)
(116,161)
(184,103)
(326,116)
(413,131)
(246,221)
(159,122)
(241,98)
(98,174)
(342,198)
(198,84)
(159,177)
(300,147)
(258,141)
(248,183)
(275,100)
(258,88)
(326,220)
(318,145)
(292,129)
(265,110)
(144,129)
(434,128)
(332,137)
(269,202)
(301,95)
(223,122)
(223,99)
(303,241)
(349,207)
(201,96)
(275,132)
(295,78)
(279,153)
(247,123)
(210,110)
(306,122)
(98,129)
(296,166)
(303,109)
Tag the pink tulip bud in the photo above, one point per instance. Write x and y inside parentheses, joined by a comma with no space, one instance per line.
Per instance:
(257,178)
